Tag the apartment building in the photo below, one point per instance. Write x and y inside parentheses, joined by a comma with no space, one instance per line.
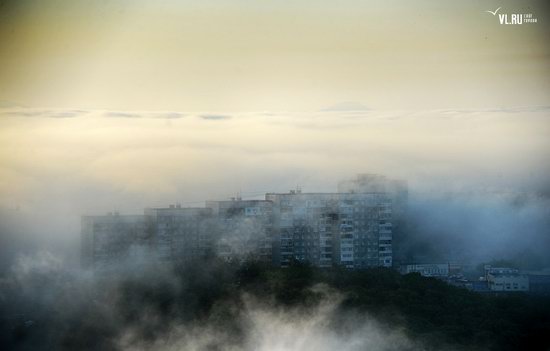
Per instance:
(397,191)
(181,234)
(352,229)
(114,238)
(325,229)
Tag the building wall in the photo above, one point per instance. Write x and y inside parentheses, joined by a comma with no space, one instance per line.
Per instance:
(113,238)
(518,282)
(506,279)
(181,234)
(326,229)
(245,228)
(427,270)
(396,191)
(539,283)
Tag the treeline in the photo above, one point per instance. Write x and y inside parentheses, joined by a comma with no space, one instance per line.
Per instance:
(211,295)
(439,313)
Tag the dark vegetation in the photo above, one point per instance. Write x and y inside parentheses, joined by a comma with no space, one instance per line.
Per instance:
(427,307)
(93,314)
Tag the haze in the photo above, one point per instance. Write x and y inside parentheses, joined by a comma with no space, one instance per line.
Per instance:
(275,55)
(121,105)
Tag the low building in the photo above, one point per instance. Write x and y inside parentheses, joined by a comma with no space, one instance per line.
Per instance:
(479,286)
(539,282)
(506,279)
(440,270)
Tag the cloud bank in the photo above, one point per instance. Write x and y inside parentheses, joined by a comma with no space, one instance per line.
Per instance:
(57,169)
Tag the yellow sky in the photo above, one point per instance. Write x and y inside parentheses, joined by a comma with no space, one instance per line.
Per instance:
(271,55)
(93,161)
(138,103)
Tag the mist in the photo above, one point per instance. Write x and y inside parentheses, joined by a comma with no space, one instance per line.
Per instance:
(477,178)
(477,227)
(162,307)
(118,106)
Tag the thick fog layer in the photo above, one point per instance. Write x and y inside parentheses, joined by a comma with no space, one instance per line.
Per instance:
(477,178)
(478,227)
(158,308)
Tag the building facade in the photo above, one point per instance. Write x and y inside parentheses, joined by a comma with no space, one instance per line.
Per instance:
(326,229)
(107,240)
(397,191)
(506,279)
(440,270)
(244,228)
(349,229)
(181,234)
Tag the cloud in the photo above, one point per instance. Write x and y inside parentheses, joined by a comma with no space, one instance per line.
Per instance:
(44,113)
(145,114)
(120,114)
(71,113)
(347,106)
(518,109)
(66,114)
(166,115)
(214,117)
(25,113)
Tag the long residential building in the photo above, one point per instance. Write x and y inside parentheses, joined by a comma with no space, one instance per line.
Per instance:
(350,229)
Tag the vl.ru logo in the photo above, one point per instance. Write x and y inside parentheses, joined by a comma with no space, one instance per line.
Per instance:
(513,18)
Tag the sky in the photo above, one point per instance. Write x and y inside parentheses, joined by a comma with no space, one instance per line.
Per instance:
(95,161)
(120,105)
(244,55)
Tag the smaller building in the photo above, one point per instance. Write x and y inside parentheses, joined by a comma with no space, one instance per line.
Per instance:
(506,279)
(479,286)
(440,270)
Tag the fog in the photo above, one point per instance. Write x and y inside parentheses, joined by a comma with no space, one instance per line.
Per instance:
(121,105)
(477,178)
(478,191)
(50,307)
(472,228)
